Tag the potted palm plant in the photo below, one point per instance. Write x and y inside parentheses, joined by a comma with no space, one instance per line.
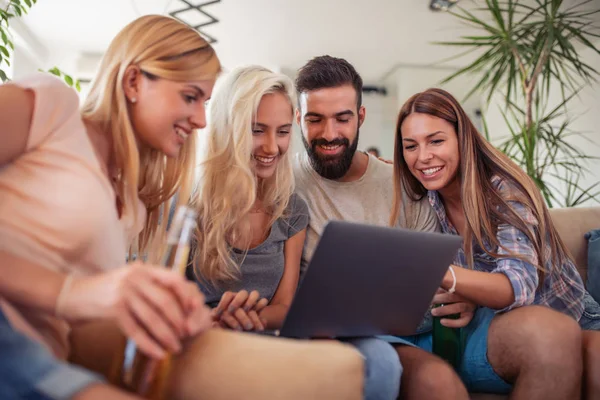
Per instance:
(525,50)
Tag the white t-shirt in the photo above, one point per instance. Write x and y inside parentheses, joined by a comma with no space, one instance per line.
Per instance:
(366,200)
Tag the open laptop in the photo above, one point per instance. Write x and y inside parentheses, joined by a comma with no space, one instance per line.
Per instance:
(366,280)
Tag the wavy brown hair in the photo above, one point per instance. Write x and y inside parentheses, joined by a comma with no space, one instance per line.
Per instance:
(479,163)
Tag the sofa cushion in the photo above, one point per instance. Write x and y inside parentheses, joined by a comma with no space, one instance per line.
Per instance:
(593,278)
(572,224)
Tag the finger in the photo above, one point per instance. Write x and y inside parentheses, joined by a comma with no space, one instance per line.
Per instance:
(230,322)
(258,324)
(252,299)
(238,301)
(174,282)
(243,319)
(446,298)
(195,298)
(262,303)
(153,322)
(199,321)
(135,332)
(224,303)
(162,301)
(461,322)
(449,309)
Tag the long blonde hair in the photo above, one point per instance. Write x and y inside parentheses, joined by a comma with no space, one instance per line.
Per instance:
(485,207)
(228,186)
(165,48)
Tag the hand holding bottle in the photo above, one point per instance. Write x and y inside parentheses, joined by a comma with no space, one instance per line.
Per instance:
(453,304)
(155,307)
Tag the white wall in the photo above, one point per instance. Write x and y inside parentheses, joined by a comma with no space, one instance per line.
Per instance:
(379,128)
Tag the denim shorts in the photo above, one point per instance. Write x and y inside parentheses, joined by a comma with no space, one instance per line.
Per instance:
(29,371)
(475,370)
(590,319)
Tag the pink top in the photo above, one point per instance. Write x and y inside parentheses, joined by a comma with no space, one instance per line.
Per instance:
(57,207)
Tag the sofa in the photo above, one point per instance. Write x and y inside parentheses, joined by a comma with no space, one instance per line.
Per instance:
(280,368)
(225,365)
(572,224)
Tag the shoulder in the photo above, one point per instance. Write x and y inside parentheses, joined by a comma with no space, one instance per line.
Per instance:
(379,169)
(296,216)
(515,198)
(49,87)
(297,205)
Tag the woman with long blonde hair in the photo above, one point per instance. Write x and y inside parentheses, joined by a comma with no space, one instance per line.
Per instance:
(252,226)
(80,188)
(512,257)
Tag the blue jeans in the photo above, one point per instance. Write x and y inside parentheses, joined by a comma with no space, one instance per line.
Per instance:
(382,368)
(475,370)
(590,320)
(29,371)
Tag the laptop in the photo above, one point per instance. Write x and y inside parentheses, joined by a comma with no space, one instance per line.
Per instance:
(366,280)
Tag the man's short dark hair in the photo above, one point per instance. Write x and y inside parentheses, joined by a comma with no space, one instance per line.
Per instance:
(328,72)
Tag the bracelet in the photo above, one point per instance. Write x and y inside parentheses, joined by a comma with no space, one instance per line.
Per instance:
(58,308)
(453,288)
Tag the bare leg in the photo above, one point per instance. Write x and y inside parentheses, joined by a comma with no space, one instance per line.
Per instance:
(427,376)
(539,351)
(591,362)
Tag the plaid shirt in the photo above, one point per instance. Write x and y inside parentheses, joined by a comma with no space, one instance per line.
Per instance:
(562,288)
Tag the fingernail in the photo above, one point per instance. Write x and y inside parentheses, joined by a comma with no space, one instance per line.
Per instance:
(231,309)
(249,326)
(434,312)
(238,328)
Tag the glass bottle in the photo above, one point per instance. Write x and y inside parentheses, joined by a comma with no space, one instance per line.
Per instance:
(139,373)
(447,342)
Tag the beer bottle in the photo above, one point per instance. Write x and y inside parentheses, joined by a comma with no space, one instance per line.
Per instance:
(447,342)
(139,373)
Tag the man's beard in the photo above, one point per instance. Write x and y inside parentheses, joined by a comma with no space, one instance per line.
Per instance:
(331,167)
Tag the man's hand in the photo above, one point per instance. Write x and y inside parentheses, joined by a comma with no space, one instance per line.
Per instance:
(454,304)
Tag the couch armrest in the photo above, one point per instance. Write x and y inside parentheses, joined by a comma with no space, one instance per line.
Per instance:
(229,365)
(222,365)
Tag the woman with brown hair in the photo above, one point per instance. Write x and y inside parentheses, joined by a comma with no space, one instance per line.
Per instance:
(512,255)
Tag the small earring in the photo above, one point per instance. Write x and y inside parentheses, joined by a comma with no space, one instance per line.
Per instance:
(133,99)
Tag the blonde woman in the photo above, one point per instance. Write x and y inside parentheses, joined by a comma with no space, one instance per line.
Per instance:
(79,188)
(251,224)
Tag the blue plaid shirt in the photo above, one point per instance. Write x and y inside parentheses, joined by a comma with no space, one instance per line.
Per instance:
(562,288)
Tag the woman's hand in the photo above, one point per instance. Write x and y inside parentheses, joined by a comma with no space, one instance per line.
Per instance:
(240,310)
(453,304)
(155,307)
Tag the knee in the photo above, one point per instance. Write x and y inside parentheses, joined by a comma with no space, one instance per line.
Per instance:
(382,368)
(544,336)
(381,358)
(591,357)
(436,377)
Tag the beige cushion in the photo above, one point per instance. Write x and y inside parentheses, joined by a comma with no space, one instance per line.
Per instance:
(572,224)
(229,365)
